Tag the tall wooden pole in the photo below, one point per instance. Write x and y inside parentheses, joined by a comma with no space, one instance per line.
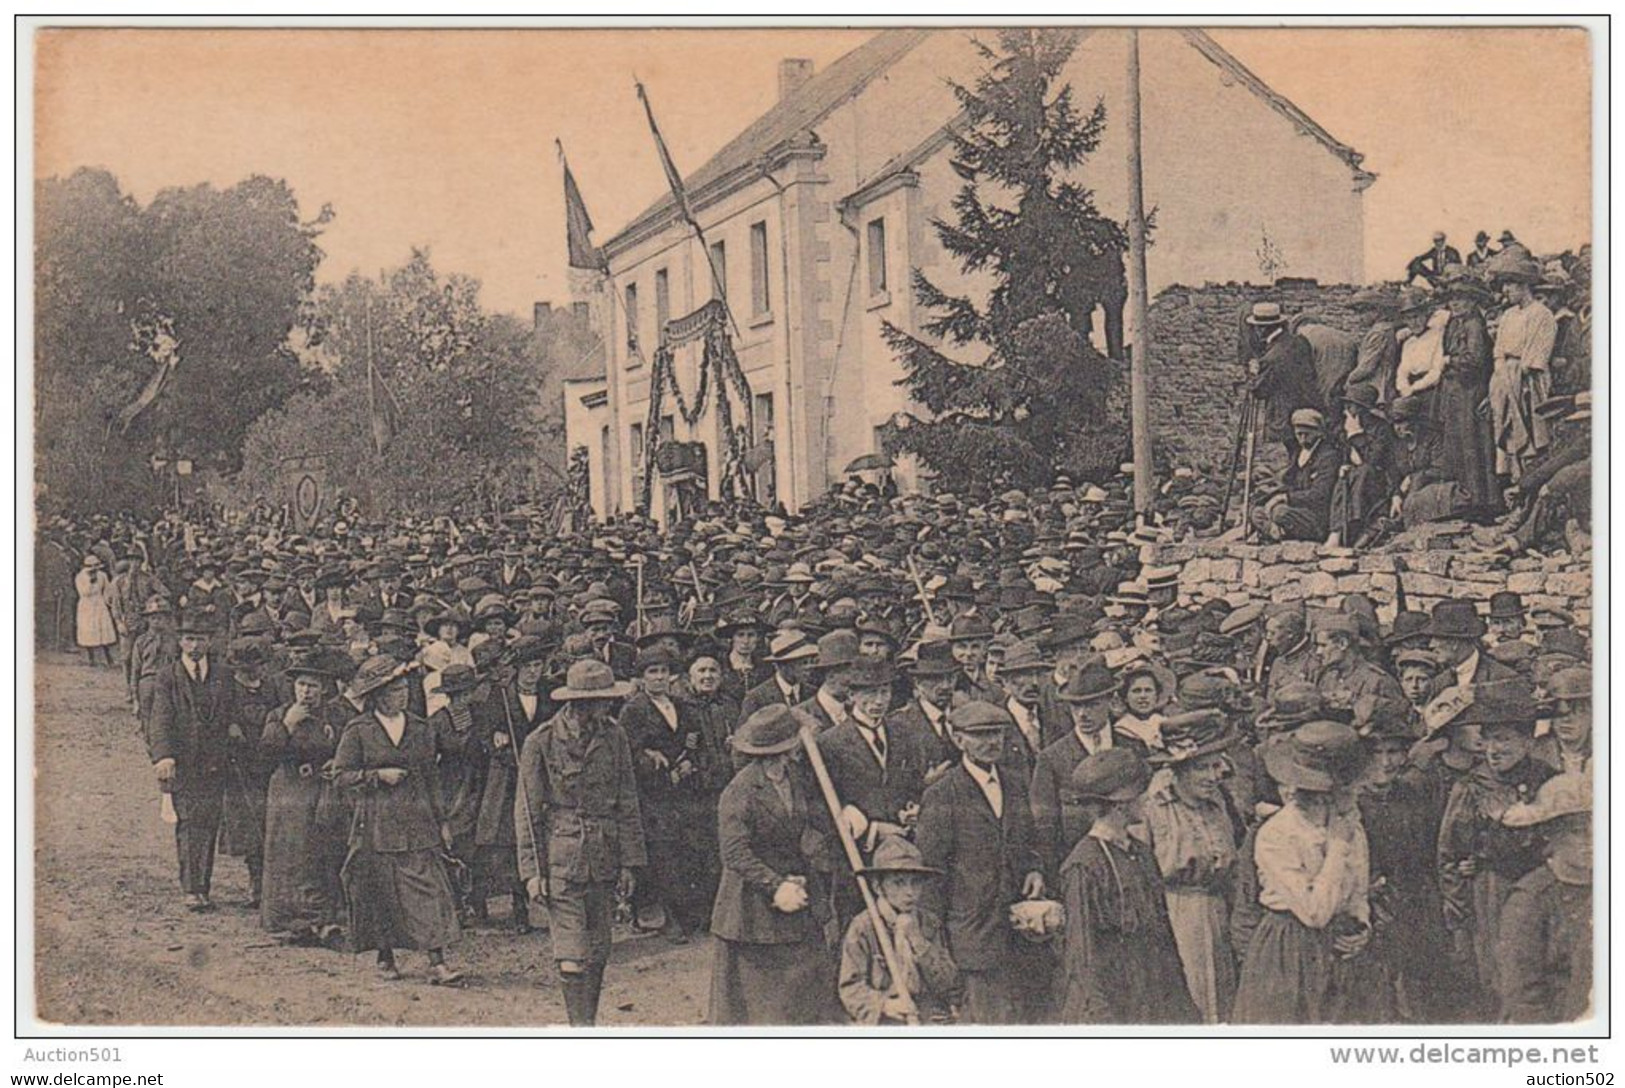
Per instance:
(1139,301)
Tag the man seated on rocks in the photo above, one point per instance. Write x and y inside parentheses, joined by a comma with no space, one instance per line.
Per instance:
(1302,509)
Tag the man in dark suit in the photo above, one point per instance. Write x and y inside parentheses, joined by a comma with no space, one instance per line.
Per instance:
(837,653)
(926,713)
(1431,265)
(1057,820)
(976,827)
(186,740)
(790,654)
(512,576)
(877,765)
(1302,509)
(1283,373)
(1022,675)
(1455,636)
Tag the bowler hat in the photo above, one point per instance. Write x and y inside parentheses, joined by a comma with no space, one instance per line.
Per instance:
(1117,774)
(771,730)
(1408,627)
(836,650)
(1457,620)
(868,675)
(1506,605)
(934,659)
(197,623)
(1089,684)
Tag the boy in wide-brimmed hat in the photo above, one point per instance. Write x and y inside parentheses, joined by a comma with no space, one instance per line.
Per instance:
(929,981)
(578,825)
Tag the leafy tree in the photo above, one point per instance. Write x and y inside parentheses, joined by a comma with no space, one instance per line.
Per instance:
(1035,398)
(466,387)
(218,277)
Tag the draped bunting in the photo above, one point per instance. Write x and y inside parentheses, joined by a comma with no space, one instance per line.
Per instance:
(719,376)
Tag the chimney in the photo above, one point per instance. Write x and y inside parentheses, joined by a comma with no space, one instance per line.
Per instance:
(793,72)
(539,313)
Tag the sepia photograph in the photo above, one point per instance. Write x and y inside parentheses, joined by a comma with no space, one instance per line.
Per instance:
(892,529)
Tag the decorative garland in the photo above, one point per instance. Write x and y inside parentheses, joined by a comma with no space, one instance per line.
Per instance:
(708,324)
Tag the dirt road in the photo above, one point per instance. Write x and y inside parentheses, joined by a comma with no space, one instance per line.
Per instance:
(114,945)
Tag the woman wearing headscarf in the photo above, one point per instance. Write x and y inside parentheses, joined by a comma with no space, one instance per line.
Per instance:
(305,819)
(773,914)
(1313,867)
(1119,962)
(395,884)
(1193,837)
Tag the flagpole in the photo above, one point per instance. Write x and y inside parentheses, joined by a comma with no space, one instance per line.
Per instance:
(1138,296)
(675,181)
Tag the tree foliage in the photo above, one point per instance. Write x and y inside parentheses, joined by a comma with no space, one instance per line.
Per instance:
(467,387)
(220,275)
(1035,399)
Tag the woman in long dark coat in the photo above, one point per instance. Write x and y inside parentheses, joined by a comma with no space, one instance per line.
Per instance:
(305,819)
(1468,446)
(1119,962)
(774,960)
(396,891)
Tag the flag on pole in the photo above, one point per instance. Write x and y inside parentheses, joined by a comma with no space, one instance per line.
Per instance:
(673,177)
(156,339)
(381,408)
(577,223)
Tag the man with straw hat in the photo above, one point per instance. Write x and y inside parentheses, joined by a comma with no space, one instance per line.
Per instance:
(1283,371)
(578,826)
(930,981)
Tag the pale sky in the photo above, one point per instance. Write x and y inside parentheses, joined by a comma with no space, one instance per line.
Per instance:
(445,138)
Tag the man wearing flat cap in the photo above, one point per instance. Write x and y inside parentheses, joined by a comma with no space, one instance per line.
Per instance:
(976,826)
(1302,509)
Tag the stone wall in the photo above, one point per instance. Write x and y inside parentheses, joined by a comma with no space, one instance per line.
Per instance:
(1432,565)
(1197,383)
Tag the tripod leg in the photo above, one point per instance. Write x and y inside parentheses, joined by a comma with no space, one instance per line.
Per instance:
(1247,473)
(1235,457)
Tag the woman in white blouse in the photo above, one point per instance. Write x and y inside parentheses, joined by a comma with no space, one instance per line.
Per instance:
(1313,876)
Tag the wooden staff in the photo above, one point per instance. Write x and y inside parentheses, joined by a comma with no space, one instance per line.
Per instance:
(925,598)
(888,952)
(639,620)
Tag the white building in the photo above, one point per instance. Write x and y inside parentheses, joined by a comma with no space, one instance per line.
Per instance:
(819,210)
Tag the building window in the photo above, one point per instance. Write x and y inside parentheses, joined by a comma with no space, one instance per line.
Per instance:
(877,257)
(632,322)
(662,303)
(637,456)
(759,301)
(606,504)
(719,270)
(668,429)
(766,477)
(579,310)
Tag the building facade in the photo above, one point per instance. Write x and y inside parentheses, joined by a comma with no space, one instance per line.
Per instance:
(817,214)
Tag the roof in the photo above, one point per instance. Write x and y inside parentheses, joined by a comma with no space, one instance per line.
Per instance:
(1219,55)
(791,116)
(843,80)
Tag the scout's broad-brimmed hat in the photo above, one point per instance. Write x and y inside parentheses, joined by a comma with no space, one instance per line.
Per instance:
(895,854)
(771,730)
(1117,774)
(1567,794)
(590,679)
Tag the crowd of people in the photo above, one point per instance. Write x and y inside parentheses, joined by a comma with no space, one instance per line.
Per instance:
(1467,395)
(899,759)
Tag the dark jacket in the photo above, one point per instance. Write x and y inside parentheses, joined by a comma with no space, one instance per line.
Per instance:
(984,860)
(762,844)
(1286,382)
(1545,950)
(576,815)
(938,748)
(767,693)
(391,819)
(1309,490)
(880,793)
(188,723)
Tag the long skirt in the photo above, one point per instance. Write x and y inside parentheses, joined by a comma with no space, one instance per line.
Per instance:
(304,851)
(1489,891)
(242,819)
(94,628)
(398,900)
(772,984)
(1520,432)
(1201,924)
(684,867)
(1468,450)
(1286,976)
